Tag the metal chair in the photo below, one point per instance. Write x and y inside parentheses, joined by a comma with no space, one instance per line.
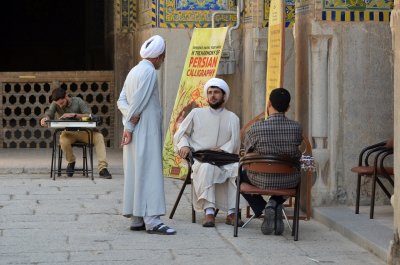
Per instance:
(85,168)
(269,164)
(371,163)
(305,191)
(186,181)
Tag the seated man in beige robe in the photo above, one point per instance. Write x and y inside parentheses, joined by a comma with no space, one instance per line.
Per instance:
(212,128)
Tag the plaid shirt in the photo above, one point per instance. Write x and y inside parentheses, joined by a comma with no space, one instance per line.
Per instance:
(275,136)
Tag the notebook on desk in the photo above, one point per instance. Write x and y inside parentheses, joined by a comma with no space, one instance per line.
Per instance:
(71,124)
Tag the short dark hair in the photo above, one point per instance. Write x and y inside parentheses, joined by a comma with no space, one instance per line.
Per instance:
(58,93)
(280,99)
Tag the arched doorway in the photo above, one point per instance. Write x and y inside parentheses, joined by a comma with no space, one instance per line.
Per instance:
(46,44)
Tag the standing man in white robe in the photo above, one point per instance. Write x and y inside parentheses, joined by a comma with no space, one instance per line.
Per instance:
(212,128)
(139,103)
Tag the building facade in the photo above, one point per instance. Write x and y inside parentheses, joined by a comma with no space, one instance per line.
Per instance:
(339,59)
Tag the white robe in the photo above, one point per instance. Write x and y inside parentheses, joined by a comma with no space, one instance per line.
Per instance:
(143,178)
(206,128)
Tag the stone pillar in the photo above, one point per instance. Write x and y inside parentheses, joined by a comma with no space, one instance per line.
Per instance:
(394,249)
(319,112)
(124,43)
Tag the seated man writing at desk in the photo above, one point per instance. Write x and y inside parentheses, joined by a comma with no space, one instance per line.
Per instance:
(75,108)
(212,128)
(277,135)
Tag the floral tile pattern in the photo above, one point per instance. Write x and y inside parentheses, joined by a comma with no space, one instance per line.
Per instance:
(192,13)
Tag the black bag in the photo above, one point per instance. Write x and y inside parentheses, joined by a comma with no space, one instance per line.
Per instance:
(216,158)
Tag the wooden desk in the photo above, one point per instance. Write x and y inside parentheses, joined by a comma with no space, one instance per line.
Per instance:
(68,125)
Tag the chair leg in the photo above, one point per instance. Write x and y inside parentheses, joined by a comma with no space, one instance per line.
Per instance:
(249,220)
(287,220)
(84,162)
(193,215)
(296,217)
(383,188)
(371,211)
(191,200)
(358,194)
(177,200)
(248,215)
(235,226)
(185,182)
(60,156)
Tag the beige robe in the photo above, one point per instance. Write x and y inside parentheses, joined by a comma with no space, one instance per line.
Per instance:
(206,128)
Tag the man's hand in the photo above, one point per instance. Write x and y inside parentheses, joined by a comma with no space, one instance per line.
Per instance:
(135,119)
(126,137)
(69,116)
(43,122)
(184,151)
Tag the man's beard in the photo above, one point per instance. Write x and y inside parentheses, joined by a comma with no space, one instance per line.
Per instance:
(216,105)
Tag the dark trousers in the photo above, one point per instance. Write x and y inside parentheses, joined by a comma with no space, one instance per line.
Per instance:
(257,202)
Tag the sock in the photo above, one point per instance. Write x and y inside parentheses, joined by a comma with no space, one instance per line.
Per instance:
(210,211)
(271,204)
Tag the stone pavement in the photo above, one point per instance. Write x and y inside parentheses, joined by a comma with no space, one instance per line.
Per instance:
(78,221)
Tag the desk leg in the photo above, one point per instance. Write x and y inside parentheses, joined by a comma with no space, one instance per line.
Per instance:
(91,151)
(53,156)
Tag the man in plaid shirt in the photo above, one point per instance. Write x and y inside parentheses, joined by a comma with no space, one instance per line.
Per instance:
(277,135)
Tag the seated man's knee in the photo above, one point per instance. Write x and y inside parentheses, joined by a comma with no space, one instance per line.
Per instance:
(65,139)
(98,137)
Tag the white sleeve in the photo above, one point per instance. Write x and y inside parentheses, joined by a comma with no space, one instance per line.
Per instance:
(233,145)
(184,132)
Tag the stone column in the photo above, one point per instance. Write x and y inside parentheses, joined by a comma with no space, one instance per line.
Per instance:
(394,249)
(124,43)
(319,112)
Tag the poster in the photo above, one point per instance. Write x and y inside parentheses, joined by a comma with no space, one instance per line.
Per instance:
(276,48)
(201,64)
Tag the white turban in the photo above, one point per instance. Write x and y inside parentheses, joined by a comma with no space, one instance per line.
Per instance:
(217,82)
(153,47)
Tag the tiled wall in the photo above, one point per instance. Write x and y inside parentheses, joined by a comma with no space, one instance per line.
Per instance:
(197,13)
(356,10)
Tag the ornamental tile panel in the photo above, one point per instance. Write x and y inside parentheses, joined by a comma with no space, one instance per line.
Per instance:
(357,10)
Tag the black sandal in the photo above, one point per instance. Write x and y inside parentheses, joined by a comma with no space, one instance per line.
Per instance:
(162,229)
(138,228)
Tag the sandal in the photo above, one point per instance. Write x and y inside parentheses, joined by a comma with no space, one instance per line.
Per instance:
(138,228)
(162,229)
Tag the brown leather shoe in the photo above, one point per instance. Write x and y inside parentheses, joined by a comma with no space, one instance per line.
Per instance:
(230,220)
(209,220)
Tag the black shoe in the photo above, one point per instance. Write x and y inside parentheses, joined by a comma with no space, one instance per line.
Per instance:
(70,169)
(138,228)
(105,174)
(268,225)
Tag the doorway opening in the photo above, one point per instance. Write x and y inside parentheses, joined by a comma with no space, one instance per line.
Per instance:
(48,35)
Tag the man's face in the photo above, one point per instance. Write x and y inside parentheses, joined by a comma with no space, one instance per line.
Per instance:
(62,102)
(215,97)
